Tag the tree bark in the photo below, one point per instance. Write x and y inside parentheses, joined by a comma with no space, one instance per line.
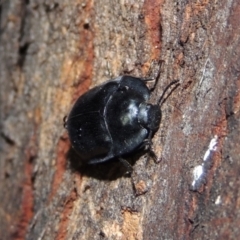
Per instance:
(51,52)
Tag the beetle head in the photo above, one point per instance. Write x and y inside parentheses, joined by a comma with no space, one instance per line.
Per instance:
(149,116)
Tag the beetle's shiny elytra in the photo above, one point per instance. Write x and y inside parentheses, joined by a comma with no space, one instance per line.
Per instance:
(113,120)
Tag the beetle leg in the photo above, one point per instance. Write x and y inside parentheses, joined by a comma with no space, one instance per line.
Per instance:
(148,142)
(152,153)
(157,75)
(127,165)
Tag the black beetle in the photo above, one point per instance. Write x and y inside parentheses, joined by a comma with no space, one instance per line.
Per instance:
(114,119)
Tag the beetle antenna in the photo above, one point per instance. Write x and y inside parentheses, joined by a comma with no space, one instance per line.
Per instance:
(161,99)
(155,78)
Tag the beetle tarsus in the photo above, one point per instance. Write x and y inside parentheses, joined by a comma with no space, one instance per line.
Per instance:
(151,151)
(153,155)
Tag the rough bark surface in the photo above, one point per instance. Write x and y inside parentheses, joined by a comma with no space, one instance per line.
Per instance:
(51,52)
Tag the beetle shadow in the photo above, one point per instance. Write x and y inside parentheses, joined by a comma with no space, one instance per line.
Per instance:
(110,170)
